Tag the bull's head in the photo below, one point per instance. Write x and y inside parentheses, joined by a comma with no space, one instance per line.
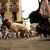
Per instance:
(5,21)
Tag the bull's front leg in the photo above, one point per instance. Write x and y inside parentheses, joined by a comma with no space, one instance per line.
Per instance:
(30,33)
(27,33)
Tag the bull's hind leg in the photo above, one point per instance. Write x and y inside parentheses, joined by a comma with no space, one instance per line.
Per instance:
(30,34)
(26,34)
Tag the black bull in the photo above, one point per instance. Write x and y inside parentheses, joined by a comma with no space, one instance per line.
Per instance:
(44,24)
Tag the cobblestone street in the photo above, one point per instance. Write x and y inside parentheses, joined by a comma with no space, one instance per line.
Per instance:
(25,44)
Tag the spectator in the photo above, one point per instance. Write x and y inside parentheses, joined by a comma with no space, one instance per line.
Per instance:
(1,20)
(0,34)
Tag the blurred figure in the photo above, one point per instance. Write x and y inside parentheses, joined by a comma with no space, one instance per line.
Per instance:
(3,28)
(45,8)
(0,34)
(1,20)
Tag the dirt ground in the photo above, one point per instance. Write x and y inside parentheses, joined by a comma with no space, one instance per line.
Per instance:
(24,44)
